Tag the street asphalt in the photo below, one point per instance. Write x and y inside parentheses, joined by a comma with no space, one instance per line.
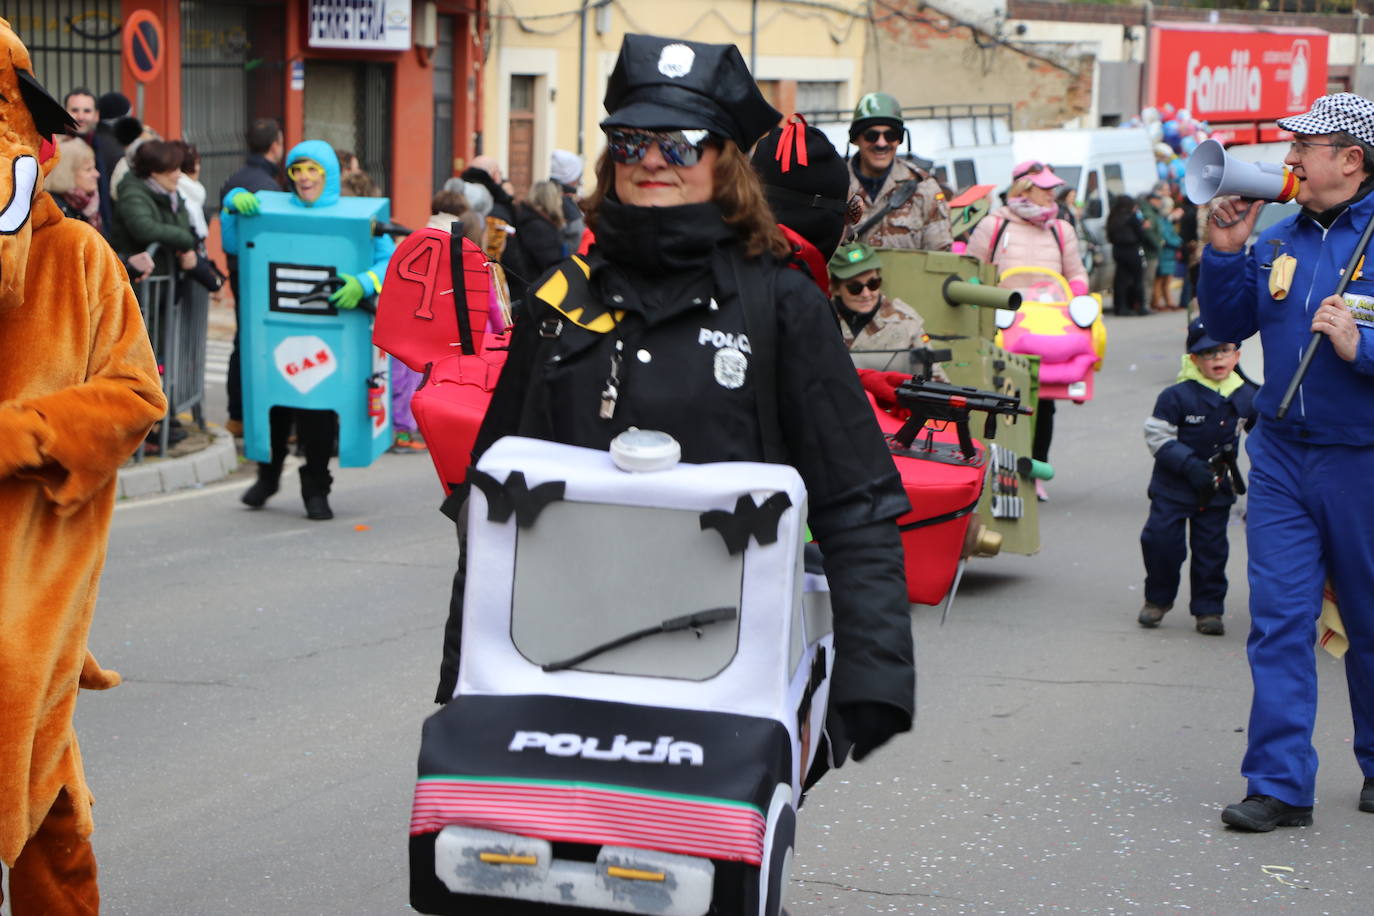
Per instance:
(260,756)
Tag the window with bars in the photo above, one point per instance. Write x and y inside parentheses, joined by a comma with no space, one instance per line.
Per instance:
(818,95)
(73,43)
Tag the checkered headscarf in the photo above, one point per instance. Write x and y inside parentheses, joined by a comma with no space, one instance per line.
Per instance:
(1343,111)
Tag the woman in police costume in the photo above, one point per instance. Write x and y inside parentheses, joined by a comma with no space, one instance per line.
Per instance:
(684,318)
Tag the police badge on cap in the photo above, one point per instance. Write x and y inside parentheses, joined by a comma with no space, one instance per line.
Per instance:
(667,83)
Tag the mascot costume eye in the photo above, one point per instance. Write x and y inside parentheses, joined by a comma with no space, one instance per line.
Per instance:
(79,389)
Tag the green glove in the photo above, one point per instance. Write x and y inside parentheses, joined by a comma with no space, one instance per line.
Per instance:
(246,203)
(349,295)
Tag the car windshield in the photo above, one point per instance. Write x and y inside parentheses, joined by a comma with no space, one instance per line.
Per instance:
(590,573)
(1069,173)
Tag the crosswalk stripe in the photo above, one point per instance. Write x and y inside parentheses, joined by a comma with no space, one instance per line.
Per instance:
(217,361)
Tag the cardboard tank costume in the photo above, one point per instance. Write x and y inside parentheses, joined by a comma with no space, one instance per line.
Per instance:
(79,389)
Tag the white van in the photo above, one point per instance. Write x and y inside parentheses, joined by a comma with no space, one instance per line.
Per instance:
(961,145)
(1101,163)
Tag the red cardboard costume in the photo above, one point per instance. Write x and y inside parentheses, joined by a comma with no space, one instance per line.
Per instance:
(78,390)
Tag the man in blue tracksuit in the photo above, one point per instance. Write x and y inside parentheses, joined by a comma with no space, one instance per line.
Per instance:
(1192,433)
(1311,511)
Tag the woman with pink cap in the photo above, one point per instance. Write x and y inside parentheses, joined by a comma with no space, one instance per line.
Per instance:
(1027,232)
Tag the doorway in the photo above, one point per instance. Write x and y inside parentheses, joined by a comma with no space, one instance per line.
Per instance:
(521,143)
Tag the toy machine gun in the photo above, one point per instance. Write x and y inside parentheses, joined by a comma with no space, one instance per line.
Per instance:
(937,402)
(1223,466)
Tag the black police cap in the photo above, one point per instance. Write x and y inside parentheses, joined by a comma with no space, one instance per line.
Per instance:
(668,83)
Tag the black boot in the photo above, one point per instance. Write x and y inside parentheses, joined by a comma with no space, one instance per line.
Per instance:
(315,492)
(256,496)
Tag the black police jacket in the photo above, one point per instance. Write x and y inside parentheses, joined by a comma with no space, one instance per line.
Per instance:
(1190,424)
(660,293)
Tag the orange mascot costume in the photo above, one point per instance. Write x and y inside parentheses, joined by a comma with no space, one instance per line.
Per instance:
(79,389)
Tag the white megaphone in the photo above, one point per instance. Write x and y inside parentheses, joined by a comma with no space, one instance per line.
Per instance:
(1211,173)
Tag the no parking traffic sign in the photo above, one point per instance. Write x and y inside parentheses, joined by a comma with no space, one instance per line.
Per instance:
(144,50)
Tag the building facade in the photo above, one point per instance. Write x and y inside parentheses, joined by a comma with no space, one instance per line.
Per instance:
(397,82)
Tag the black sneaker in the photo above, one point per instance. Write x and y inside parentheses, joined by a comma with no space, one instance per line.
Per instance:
(1262,813)
(1151,614)
(1210,625)
(1367,796)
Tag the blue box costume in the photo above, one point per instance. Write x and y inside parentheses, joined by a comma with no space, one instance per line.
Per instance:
(1311,504)
(302,351)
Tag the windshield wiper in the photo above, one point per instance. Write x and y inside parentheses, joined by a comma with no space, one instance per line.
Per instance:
(692,621)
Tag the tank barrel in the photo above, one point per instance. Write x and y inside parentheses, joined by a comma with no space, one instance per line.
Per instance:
(960,292)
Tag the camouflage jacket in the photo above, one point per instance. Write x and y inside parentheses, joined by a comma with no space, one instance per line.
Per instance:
(921,223)
(896,326)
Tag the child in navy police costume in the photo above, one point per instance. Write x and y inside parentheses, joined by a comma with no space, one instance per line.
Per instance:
(1194,419)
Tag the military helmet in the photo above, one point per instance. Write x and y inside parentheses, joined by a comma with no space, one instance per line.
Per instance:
(875,108)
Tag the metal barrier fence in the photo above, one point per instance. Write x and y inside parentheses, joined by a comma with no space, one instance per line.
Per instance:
(177,312)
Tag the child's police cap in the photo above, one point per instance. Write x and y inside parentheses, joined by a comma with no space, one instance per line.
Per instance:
(670,84)
(1199,339)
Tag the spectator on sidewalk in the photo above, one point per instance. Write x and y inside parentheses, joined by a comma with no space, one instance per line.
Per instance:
(113,134)
(565,168)
(450,206)
(501,217)
(73,186)
(190,188)
(261,172)
(150,210)
(536,245)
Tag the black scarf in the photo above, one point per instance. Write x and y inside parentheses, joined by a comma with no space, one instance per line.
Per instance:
(871,186)
(857,321)
(653,241)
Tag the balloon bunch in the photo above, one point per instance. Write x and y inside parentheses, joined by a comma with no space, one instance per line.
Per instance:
(1175,135)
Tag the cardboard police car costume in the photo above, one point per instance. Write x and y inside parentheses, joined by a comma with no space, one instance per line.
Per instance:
(306,352)
(666,709)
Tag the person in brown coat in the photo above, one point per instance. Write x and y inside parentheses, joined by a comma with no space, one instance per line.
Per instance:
(78,390)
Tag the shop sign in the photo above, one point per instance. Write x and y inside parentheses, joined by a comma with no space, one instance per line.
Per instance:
(1230,73)
(362,25)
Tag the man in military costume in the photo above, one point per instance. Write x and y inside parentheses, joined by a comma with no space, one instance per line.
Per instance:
(897,204)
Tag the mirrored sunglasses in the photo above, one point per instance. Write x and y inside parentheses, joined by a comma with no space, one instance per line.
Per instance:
(679,147)
(305,170)
(891,135)
(855,287)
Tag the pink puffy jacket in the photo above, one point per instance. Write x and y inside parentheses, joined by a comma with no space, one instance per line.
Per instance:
(1024,244)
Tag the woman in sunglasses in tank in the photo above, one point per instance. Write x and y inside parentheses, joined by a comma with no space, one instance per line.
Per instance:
(878,330)
(683,317)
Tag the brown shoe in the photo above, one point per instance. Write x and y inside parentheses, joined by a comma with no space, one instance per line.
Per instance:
(1210,625)
(1151,614)
(234,428)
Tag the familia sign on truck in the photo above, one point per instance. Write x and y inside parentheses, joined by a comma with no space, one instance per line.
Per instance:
(1228,74)
(367,25)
